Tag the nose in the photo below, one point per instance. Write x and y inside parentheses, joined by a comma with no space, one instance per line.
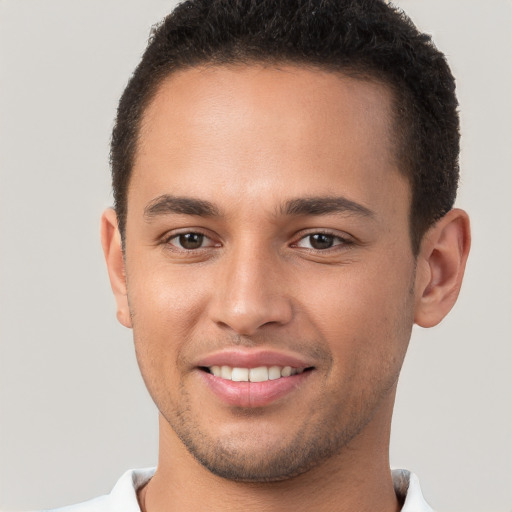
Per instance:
(251,292)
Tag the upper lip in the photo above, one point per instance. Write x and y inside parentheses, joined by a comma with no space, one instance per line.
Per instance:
(238,358)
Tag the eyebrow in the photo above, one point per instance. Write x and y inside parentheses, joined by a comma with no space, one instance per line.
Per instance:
(323,206)
(167,204)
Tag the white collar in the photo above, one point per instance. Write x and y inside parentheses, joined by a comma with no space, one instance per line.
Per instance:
(124,494)
(407,487)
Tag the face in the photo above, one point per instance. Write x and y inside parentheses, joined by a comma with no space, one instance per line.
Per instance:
(270,277)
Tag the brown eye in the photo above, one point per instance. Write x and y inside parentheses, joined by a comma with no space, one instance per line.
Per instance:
(321,241)
(188,241)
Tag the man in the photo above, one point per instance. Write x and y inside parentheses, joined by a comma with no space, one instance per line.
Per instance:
(284,175)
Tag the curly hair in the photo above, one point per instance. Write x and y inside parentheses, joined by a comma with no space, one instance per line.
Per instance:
(366,39)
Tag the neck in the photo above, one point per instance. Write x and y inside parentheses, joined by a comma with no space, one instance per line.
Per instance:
(358,478)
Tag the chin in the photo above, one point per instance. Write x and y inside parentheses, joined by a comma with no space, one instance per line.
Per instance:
(260,456)
(263,467)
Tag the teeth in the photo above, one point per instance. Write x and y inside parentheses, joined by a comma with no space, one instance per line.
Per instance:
(259,374)
(225,372)
(274,372)
(240,374)
(286,371)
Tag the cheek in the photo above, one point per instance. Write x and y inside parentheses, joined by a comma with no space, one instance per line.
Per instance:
(164,298)
(365,315)
(166,308)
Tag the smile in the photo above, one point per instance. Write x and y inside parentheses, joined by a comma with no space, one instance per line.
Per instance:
(259,374)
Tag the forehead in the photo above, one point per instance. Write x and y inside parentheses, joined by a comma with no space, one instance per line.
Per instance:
(256,130)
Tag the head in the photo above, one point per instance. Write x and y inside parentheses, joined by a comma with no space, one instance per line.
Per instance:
(368,40)
(283,174)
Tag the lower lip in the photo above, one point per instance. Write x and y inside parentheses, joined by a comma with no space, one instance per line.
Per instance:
(252,394)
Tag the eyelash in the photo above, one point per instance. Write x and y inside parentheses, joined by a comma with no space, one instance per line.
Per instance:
(344,242)
(167,241)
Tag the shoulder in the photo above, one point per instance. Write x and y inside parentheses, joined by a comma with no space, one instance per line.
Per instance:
(122,497)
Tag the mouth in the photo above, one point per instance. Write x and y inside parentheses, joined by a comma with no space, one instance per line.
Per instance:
(258,374)
(253,379)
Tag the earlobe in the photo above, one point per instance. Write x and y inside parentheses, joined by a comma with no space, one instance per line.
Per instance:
(441,263)
(112,249)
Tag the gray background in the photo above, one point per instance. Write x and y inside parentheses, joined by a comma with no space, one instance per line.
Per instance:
(74,413)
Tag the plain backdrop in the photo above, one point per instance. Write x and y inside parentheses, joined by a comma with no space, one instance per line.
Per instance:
(74,413)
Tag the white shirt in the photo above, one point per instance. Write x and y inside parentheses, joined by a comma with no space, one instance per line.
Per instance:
(123,497)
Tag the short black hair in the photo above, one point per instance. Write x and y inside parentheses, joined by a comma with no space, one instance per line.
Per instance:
(369,39)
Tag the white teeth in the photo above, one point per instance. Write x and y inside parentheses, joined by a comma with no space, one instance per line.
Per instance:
(240,374)
(259,374)
(274,372)
(225,372)
(286,371)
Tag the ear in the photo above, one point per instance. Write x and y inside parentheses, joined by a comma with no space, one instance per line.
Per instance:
(111,242)
(441,263)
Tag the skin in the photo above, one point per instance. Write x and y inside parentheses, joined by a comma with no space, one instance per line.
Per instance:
(249,140)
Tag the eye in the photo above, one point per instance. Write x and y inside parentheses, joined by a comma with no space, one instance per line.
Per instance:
(320,241)
(190,241)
